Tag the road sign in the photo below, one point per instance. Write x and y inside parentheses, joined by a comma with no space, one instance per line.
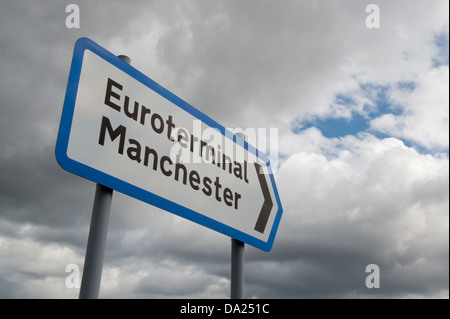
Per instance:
(122,130)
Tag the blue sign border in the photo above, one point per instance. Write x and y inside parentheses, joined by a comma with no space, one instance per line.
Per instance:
(97,176)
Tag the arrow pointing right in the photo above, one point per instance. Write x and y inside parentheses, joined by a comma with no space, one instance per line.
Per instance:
(267,205)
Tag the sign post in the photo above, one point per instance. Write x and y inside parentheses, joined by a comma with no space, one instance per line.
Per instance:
(237,269)
(95,251)
(124,131)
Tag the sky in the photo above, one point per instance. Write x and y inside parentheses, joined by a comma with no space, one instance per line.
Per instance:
(361,117)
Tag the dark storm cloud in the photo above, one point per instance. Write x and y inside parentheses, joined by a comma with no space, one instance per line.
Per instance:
(35,58)
(253,65)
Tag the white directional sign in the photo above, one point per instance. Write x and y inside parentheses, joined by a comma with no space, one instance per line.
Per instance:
(124,131)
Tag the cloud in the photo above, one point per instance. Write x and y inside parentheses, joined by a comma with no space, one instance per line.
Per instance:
(31,269)
(425,119)
(383,203)
(273,61)
(175,280)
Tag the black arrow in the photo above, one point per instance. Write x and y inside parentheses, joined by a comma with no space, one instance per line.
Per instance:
(268,204)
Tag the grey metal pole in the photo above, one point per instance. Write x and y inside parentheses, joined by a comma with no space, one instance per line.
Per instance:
(237,269)
(95,251)
(237,261)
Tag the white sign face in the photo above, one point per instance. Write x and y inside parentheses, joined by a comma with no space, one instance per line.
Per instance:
(122,130)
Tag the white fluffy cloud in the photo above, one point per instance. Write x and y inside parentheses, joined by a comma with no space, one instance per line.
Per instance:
(30,269)
(376,201)
(425,117)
